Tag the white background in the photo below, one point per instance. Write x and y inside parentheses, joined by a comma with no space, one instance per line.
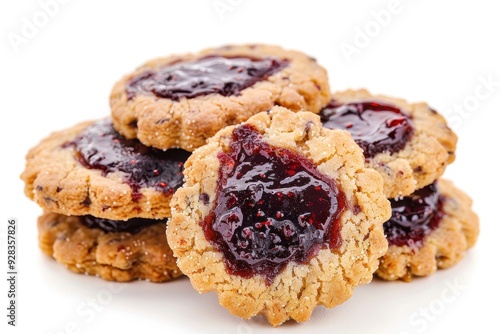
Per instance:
(437,51)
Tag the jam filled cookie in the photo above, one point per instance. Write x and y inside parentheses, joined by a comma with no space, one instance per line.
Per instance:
(410,145)
(180,101)
(115,251)
(430,229)
(90,169)
(278,215)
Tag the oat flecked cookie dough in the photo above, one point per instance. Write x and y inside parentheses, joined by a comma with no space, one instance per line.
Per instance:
(409,144)
(90,169)
(139,251)
(429,230)
(279,215)
(106,200)
(182,100)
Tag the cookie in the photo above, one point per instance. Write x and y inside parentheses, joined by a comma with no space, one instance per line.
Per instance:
(90,169)
(278,215)
(114,251)
(429,230)
(182,100)
(409,144)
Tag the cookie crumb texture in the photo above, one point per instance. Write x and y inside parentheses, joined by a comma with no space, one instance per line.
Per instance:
(329,277)
(426,154)
(442,246)
(90,169)
(118,257)
(175,115)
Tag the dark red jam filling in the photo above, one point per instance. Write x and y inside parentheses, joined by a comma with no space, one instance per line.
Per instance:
(101,147)
(272,206)
(414,217)
(376,127)
(209,75)
(133,225)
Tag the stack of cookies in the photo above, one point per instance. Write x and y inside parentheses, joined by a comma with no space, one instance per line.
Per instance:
(410,145)
(274,207)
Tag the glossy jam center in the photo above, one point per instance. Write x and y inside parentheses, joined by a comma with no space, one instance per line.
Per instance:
(209,75)
(133,225)
(101,147)
(272,206)
(414,217)
(376,127)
